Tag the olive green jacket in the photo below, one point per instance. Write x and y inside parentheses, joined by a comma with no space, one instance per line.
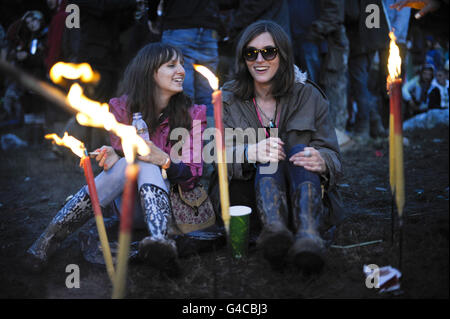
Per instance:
(304,119)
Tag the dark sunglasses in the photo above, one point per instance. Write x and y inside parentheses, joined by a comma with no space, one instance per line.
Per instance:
(268,53)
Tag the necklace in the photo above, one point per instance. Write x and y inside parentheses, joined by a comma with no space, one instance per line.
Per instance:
(271,120)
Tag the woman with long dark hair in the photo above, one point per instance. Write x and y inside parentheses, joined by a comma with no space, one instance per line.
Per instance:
(286,173)
(153,85)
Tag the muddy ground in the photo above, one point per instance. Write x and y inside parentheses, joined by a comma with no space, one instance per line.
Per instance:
(33,187)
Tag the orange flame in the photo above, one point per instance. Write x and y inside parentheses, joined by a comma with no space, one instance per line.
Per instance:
(394,60)
(212,79)
(68,141)
(73,71)
(96,114)
(92,113)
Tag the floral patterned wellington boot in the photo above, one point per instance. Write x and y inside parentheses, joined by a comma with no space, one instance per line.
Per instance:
(74,214)
(158,250)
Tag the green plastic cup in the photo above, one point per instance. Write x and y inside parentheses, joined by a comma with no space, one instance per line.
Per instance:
(239,230)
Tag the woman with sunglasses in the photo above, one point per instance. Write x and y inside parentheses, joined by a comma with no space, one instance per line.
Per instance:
(288,170)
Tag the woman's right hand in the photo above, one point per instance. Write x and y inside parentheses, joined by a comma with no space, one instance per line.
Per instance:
(107,157)
(268,150)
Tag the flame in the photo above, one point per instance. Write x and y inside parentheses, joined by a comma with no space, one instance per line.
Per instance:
(73,71)
(394,60)
(68,141)
(212,79)
(96,114)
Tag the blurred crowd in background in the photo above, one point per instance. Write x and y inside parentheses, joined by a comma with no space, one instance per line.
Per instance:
(331,41)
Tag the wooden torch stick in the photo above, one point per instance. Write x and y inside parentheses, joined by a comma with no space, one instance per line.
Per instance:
(126,221)
(221,159)
(98,215)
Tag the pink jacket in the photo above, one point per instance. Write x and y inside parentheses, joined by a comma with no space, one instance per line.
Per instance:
(191,151)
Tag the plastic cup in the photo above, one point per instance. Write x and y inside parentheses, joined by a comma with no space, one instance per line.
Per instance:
(239,230)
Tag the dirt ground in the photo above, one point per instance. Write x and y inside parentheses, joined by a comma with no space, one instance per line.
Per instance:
(33,187)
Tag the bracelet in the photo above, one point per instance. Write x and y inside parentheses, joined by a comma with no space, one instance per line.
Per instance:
(166,164)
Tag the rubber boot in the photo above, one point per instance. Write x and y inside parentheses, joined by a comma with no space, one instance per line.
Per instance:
(74,214)
(158,250)
(308,249)
(275,238)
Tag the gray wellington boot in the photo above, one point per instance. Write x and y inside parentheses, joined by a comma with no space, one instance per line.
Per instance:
(158,249)
(275,238)
(74,214)
(307,253)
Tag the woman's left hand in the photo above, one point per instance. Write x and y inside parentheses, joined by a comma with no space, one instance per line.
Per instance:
(156,156)
(310,159)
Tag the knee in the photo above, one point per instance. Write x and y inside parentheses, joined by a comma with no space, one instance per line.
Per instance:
(149,168)
(116,172)
(271,170)
(298,147)
(150,174)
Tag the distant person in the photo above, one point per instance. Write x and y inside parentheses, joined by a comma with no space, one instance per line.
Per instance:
(364,43)
(3,53)
(142,32)
(3,44)
(97,43)
(309,45)
(415,91)
(321,48)
(27,39)
(55,32)
(438,92)
(192,26)
(246,12)
(435,53)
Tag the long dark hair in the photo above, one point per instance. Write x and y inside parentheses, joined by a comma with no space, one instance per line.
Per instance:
(283,80)
(139,85)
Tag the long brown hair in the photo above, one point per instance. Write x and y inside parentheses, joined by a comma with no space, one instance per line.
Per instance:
(139,85)
(283,80)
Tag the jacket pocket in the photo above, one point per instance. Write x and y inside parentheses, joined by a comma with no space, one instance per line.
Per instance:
(298,135)
(301,125)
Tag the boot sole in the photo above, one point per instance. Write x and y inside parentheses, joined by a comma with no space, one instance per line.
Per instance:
(158,254)
(307,255)
(33,264)
(276,246)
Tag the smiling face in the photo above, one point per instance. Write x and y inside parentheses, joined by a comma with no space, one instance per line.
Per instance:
(169,77)
(261,70)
